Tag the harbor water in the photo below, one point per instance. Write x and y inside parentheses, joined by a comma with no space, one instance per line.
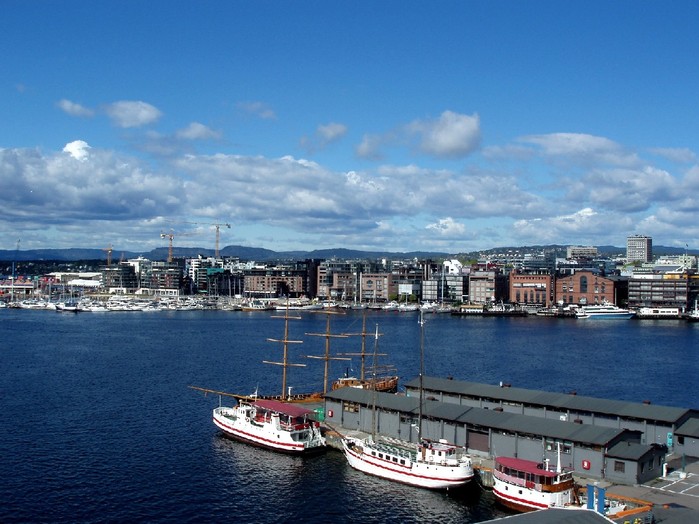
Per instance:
(99,424)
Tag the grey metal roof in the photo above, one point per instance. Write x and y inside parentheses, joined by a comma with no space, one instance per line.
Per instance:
(689,428)
(628,451)
(555,516)
(561,401)
(522,424)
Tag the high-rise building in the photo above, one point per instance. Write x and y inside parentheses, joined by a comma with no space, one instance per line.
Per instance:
(639,249)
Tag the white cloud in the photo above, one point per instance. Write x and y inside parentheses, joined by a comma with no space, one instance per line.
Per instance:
(78,149)
(259,109)
(628,190)
(587,226)
(447,227)
(128,113)
(676,154)
(584,148)
(370,147)
(324,135)
(452,135)
(74,109)
(197,131)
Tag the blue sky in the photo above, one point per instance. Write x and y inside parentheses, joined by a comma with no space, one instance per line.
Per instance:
(440,126)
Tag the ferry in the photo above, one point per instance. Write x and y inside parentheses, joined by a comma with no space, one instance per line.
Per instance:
(604,312)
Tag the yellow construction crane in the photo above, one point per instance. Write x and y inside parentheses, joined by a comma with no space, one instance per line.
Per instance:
(108,249)
(218,226)
(170,236)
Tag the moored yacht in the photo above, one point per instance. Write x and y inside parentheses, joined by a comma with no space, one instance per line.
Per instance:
(525,485)
(271,424)
(425,464)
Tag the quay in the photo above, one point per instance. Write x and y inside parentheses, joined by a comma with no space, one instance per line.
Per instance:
(641,453)
(671,499)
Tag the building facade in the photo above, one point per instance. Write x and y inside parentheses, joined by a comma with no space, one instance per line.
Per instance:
(639,248)
(584,287)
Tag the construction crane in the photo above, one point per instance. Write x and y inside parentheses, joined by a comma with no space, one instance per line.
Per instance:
(109,250)
(170,236)
(218,233)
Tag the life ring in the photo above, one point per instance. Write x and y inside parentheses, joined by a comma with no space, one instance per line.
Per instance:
(330,413)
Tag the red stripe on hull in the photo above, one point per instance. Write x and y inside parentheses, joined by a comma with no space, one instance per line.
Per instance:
(259,441)
(405,470)
(517,504)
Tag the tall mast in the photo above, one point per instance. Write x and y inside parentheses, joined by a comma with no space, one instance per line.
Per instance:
(285,341)
(375,392)
(326,357)
(422,372)
(363,354)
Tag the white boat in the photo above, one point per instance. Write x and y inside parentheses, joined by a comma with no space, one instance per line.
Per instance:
(658,312)
(526,485)
(427,464)
(433,465)
(603,312)
(271,424)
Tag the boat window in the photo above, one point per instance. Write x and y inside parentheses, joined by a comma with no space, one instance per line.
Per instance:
(402,462)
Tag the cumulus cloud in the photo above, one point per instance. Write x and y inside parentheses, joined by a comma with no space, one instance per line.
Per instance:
(580,147)
(197,131)
(676,154)
(132,113)
(629,190)
(370,147)
(57,190)
(74,109)
(78,149)
(587,225)
(324,135)
(447,227)
(259,109)
(452,135)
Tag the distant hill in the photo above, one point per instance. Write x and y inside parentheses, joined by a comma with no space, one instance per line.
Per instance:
(267,255)
(242,252)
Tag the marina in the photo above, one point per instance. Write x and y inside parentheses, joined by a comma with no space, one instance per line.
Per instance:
(127,456)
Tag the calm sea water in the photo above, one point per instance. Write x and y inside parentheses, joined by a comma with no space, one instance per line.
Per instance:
(99,424)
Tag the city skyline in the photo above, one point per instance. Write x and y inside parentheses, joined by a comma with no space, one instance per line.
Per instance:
(398,126)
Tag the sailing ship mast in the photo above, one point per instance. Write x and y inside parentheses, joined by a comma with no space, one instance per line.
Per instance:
(363,353)
(422,373)
(326,357)
(375,392)
(285,341)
